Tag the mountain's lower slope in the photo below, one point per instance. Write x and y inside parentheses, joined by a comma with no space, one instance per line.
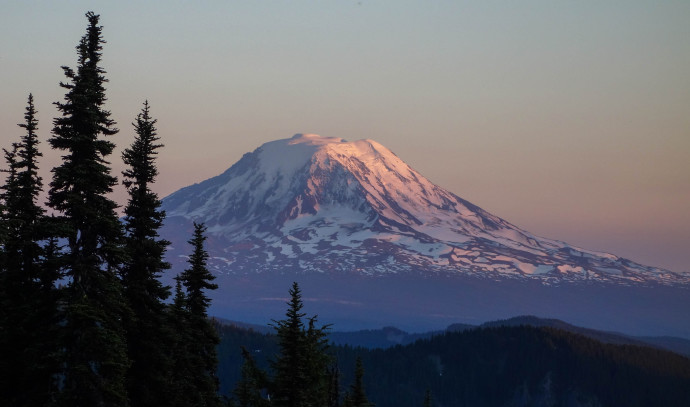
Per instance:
(360,225)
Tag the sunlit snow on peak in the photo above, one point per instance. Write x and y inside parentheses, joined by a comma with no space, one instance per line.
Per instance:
(314,139)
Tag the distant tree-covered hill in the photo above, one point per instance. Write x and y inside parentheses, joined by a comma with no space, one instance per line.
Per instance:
(390,336)
(495,366)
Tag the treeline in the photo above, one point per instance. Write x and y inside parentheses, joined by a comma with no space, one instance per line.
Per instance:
(527,366)
(84,319)
(502,366)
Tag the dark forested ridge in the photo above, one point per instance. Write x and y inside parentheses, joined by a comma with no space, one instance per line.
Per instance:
(390,336)
(499,366)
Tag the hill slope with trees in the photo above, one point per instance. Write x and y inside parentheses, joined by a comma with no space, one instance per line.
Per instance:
(497,366)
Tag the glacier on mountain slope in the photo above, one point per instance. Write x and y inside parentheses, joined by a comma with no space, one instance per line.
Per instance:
(325,205)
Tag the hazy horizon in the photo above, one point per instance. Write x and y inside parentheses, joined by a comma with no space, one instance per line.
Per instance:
(568,119)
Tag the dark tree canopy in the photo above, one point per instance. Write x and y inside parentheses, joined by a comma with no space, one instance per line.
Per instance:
(83,318)
(199,338)
(148,335)
(95,354)
(28,321)
(427,399)
(253,382)
(301,374)
(23,217)
(197,279)
(356,396)
(183,367)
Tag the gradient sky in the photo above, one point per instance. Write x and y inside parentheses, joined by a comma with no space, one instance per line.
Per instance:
(570,119)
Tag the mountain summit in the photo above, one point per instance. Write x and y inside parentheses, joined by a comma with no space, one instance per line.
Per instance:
(312,204)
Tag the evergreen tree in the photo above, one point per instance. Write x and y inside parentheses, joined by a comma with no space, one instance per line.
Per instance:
(30,298)
(8,292)
(318,362)
(301,368)
(252,382)
(95,354)
(427,398)
(288,367)
(357,397)
(183,392)
(203,338)
(334,387)
(196,279)
(148,334)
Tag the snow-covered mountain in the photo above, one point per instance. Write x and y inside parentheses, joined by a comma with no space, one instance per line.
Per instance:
(313,204)
(374,243)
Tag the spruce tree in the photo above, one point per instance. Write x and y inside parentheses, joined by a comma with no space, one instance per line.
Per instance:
(301,377)
(148,334)
(203,338)
(95,353)
(248,391)
(318,362)
(183,391)
(30,298)
(288,367)
(5,316)
(197,279)
(427,398)
(357,397)
(8,290)
(334,387)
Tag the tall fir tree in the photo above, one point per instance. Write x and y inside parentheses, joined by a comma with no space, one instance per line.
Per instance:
(334,386)
(30,299)
(301,377)
(318,363)
(148,335)
(356,396)
(427,399)
(253,382)
(183,389)
(202,336)
(95,353)
(8,359)
(288,368)
(197,279)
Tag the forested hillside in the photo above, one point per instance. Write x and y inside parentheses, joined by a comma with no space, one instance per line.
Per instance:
(502,366)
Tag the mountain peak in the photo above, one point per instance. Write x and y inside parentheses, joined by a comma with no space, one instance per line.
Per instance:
(322,204)
(313,139)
